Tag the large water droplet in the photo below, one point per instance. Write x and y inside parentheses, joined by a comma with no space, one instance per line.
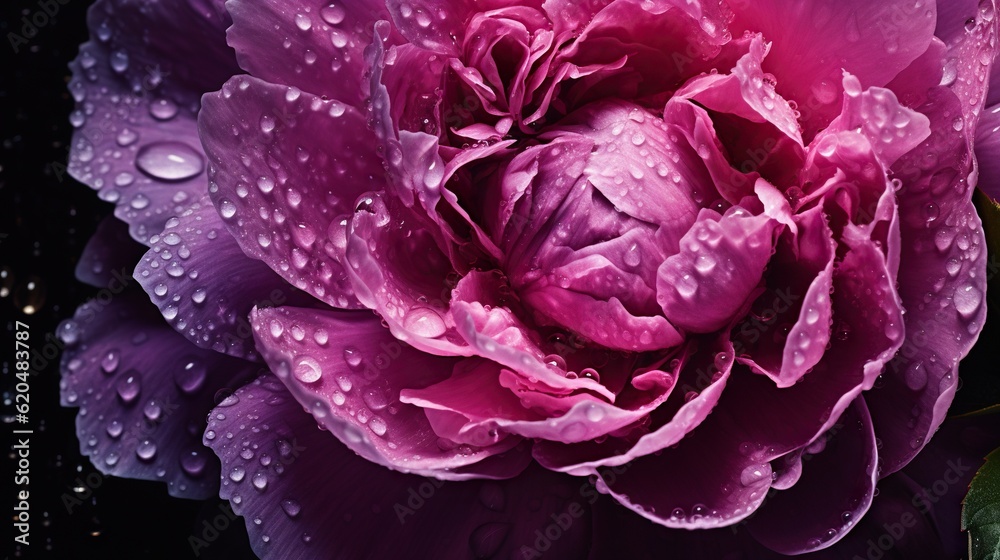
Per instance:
(146,450)
(169,161)
(308,370)
(424,322)
(967,300)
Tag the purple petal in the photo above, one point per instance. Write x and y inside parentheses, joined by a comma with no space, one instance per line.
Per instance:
(398,269)
(477,394)
(495,332)
(313,496)
(347,370)
(316,49)
(892,129)
(722,260)
(788,328)
(137,91)
(205,286)
(143,392)
(944,254)
(835,490)
(285,201)
(696,384)
(109,256)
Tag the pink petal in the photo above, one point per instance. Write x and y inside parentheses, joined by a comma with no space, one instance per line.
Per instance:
(347,371)
(285,201)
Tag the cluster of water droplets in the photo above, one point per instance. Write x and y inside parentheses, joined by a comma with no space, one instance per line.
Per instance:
(126,419)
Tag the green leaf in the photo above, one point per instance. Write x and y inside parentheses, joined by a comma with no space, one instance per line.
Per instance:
(981,511)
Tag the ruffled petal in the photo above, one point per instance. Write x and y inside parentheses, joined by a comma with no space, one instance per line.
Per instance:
(285,201)
(315,49)
(399,270)
(787,329)
(663,42)
(493,331)
(142,391)
(943,250)
(721,262)
(137,92)
(691,388)
(812,44)
(205,286)
(944,256)
(280,472)
(482,394)
(892,129)
(835,490)
(337,364)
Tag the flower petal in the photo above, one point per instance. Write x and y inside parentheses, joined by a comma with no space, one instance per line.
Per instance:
(347,370)
(109,256)
(143,392)
(279,469)
(285,201)
(316,49)
(944,256)
(205,286)
(787,329)
(137,92)
(722,260)
(835,490)
(813,43)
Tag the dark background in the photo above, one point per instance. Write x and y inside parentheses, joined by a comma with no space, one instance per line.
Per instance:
(46,218)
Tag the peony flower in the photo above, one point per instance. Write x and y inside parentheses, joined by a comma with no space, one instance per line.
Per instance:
(719,259)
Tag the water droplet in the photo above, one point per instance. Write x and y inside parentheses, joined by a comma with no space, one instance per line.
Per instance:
(146,450)
(307,370)
(377,425)
(487,539)
(237,474)
(115,428)
(169,161)
(109,363)
(753,474)
(191,376)
(303,22)
(128,387)
(291,507)
(352,356)
(332,14)
(968,300)
(260,481)
(424,322)
(194,463)
(163,109)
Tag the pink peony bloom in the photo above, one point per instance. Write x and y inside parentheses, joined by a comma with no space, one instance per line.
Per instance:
(706,254)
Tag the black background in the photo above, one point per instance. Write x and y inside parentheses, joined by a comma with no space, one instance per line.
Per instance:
(46,218)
